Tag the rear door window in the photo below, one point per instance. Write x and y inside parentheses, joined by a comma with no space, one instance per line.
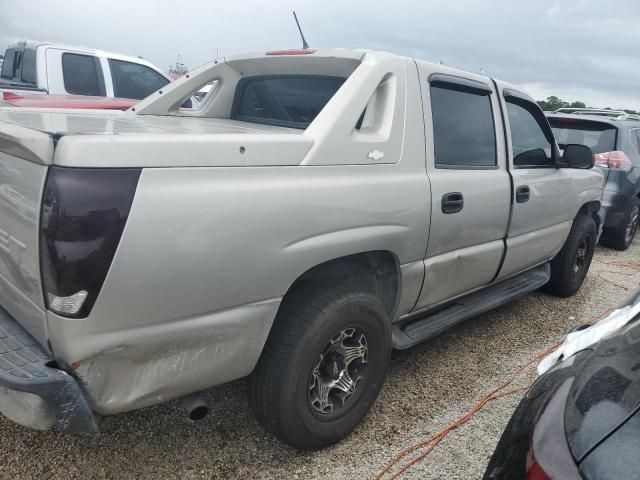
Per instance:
(29,66)
(600,137)
(284,100)
(463,129)
(530,140)
(82,74)
(132,80)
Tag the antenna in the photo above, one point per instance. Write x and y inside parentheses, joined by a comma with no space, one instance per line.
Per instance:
(305,45)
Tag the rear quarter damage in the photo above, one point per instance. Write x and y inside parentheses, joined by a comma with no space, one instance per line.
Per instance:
(204,260)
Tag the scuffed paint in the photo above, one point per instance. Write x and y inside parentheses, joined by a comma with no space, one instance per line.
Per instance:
(157,368)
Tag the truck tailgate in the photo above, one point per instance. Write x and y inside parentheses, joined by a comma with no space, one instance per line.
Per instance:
(24,158)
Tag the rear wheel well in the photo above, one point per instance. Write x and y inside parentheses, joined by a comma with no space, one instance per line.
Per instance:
(377,272)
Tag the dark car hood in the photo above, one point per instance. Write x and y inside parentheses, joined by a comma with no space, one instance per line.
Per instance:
(605,392)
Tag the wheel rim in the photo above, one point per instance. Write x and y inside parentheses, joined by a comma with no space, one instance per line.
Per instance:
(339,372)
(582,256)
(632,226)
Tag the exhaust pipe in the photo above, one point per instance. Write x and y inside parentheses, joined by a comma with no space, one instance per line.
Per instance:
(195,406)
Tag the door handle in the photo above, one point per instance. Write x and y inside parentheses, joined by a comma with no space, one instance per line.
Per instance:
(452,202)
(523,194)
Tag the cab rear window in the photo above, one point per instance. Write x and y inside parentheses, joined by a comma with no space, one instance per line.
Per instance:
(283,100)
(8,66)
(599,136)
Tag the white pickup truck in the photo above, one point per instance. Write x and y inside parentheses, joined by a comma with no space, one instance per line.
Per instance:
(37,67)
(318,209)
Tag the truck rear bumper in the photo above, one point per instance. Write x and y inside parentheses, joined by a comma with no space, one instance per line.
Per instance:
(34,394)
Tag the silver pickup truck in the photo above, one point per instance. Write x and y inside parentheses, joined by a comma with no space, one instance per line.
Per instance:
(318,208)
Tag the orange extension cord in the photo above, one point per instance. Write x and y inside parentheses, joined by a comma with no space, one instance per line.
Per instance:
(438,437)
(499,392)
(629,264)
(434,440)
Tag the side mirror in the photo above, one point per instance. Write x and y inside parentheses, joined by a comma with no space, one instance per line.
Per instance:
(578,156)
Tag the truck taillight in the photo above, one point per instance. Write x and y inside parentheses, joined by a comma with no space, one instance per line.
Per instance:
(615,160)
(84,212)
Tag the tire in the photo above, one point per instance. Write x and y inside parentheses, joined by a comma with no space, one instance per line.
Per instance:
(622,237)
(570,266)
(305,353)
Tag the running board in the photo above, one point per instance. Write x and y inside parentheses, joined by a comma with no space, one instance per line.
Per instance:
(422,326)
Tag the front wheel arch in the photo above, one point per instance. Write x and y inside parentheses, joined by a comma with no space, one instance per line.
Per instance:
(570,267)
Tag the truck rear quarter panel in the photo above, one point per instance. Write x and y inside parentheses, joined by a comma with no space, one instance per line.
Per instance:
(205,258)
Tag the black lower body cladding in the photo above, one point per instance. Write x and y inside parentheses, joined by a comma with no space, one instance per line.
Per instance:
(84,211)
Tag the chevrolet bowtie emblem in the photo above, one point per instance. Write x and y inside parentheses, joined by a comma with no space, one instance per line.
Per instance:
(375,155)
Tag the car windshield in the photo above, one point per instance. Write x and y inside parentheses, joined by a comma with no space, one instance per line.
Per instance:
(600,137)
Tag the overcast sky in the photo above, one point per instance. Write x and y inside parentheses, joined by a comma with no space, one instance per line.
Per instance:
(576,49)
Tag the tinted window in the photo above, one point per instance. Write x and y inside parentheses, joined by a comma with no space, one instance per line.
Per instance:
(7,65)
(531,147)
(463,131)
(29,66)
(132,80)
(292,101)
(80,74)
(12,65)
(600,137)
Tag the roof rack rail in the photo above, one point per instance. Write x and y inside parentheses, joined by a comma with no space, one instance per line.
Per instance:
(615,114)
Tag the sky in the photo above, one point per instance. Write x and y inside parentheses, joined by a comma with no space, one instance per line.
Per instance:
(585,50)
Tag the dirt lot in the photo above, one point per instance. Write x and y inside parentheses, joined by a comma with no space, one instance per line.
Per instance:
(427,388)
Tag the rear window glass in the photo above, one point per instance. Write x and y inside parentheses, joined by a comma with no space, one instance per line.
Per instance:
(132,80)
(600,137)
(29,66)
(7,65)
(289,101)
(80,74)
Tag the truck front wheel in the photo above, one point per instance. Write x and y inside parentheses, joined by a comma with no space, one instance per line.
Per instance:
(570,266)
(322,367)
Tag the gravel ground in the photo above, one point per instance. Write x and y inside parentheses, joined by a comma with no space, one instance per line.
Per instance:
(427,387)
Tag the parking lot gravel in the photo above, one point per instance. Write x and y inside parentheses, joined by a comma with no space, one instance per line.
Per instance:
(427,388)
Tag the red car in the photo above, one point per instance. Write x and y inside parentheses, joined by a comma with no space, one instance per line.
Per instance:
(65,101)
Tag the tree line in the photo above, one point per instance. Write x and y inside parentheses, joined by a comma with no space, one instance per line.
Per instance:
(554,103)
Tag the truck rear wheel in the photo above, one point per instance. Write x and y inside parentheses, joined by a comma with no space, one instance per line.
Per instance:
(322,367)
(570,266)
(622,237)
